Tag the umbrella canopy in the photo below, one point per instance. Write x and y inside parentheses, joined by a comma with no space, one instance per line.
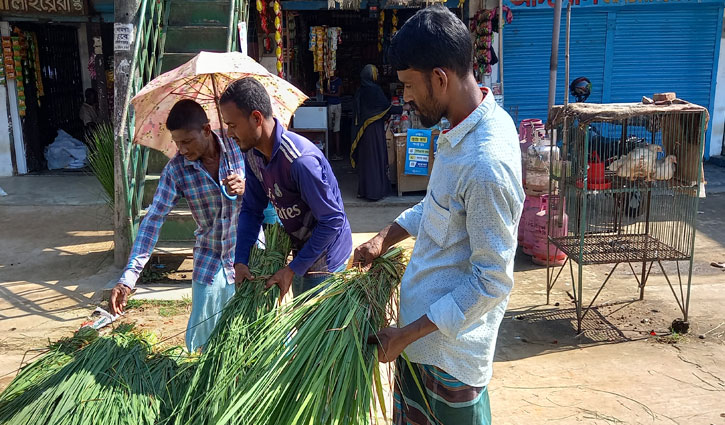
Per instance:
(203,79)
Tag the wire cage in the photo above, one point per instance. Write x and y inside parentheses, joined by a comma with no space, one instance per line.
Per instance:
(625,190)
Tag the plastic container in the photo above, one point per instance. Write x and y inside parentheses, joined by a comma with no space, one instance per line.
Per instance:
(537,164)
(595,171)
(405,122)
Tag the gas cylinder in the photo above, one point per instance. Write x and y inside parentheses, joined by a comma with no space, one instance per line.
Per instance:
(526,128)
(532,205)
(541,231)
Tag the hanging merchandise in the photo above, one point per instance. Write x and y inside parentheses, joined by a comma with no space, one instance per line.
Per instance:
(35,57)
(278,35)
(381,29)
(262,9)
(18,65)
(317,47)
(8,58)
(482,26)
(394,21)
(324,42)
(334,37)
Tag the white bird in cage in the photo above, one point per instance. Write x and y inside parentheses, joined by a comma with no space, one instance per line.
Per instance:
(639,163)
(665,169)
(616,164)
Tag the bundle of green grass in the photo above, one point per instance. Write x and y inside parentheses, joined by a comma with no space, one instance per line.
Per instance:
(222,364)
(117,379)
(311,365)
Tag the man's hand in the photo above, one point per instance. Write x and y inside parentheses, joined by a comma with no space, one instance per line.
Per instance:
(375,247)
(283,279)
(234,184)
(392,341)
(242,273)
(367,252)
(119,298)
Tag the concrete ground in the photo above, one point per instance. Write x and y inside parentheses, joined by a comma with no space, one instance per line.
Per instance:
(53,258)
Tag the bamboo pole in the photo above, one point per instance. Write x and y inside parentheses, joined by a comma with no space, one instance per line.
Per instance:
(554,61)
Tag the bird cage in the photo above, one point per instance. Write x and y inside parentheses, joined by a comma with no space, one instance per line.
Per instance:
(628,180)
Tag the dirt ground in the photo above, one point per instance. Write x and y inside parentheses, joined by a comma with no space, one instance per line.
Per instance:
(615,372)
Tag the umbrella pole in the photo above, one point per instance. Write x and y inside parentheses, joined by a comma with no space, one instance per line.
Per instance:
(224,139)
(221,123)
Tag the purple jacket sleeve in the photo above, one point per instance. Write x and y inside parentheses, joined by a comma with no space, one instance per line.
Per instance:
(251,216)
(314,186)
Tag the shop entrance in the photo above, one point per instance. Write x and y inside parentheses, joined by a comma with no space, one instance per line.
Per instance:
(52,87)
(358,46)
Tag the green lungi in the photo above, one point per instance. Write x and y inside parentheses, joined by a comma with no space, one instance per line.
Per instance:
(447,401)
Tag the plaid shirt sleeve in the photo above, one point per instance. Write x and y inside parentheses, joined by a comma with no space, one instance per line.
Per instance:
(166,197)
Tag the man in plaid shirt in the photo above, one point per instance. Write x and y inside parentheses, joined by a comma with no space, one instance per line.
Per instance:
(196,173)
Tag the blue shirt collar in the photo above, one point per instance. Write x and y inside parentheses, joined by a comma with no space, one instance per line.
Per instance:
(456,134)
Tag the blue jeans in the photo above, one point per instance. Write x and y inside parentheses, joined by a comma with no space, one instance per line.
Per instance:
(207,303)
(302,284)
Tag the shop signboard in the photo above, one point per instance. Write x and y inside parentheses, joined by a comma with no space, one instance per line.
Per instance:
(49,7)
(418,147)
(525,4)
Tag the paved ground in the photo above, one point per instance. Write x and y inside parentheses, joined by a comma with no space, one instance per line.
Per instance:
(54,257)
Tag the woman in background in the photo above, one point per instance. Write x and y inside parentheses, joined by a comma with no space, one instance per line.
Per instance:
(369,152)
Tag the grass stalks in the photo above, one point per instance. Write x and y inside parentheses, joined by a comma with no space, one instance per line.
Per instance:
(114,380)
(312,365)
(219,370)
(100,157)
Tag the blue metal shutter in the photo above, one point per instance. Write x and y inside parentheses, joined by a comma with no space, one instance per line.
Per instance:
(527,51)
(664,50)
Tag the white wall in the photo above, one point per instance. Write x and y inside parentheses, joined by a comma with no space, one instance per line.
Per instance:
(6,160)
(717,120)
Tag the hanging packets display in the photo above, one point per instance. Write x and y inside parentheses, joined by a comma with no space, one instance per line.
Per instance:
(381,28)
(35,58)
(394,22)
(19,80)
(8,62)
(324,42)
(482,26)
(278,35)
(333,39)
(318,36)
(262,10)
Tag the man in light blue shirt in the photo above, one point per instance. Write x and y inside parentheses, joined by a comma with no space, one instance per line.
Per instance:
(455,290)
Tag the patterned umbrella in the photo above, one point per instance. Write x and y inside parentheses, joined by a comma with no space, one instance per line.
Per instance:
(204,79)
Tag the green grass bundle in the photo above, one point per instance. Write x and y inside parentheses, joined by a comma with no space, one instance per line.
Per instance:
(59,354)
(113,380)
(100,157)
(218,371)
(313,365)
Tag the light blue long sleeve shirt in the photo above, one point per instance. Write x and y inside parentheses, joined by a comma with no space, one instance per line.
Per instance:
(461,271)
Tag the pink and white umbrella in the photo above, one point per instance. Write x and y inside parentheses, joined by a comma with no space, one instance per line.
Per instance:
(203,79)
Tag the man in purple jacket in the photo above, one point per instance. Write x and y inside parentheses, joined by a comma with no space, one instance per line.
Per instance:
(292,173)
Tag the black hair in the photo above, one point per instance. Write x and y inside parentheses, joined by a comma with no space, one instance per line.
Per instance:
(433,38)
(249,95)
(89,91)
(186,114)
